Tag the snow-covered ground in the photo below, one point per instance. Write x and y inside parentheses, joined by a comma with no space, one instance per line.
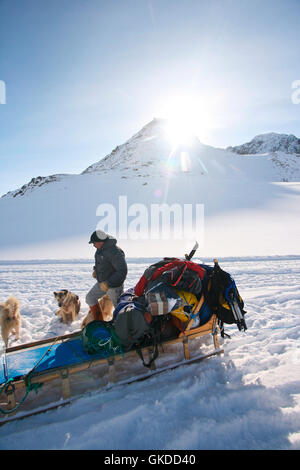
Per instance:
(249,398)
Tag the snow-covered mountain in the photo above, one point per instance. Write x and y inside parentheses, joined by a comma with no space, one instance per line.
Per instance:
(35,182)
(247,207)
(150,153)
(269,143)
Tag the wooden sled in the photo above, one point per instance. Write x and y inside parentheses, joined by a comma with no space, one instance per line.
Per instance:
(59,369)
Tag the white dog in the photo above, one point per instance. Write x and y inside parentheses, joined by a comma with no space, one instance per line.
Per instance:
(10,318)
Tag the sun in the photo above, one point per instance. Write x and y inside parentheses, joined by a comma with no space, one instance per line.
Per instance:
(178,132)
(182,120)
(186,117)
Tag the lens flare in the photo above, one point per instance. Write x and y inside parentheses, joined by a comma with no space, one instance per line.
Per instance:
(188,117)
(179,131)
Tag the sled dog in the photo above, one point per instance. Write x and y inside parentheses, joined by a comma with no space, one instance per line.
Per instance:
(10,318)
(69,304)
(106,307)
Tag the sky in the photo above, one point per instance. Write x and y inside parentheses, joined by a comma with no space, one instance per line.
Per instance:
(82,76)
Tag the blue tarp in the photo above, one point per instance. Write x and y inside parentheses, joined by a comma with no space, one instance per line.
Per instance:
(19,363)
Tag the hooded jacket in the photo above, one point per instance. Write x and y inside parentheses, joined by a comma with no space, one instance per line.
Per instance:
(110,264)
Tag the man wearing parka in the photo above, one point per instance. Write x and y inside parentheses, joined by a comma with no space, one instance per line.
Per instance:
(110,270)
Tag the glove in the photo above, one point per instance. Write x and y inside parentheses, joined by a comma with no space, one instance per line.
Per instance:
(104,286)
(94,272)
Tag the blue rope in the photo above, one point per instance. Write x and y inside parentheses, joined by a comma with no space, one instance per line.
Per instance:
(190,308)
(29,385)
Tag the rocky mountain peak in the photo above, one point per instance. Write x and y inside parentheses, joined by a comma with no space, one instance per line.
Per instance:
(269,143)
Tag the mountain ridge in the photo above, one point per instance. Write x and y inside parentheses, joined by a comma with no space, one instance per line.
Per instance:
(157,200)
(149,153)
(267,143)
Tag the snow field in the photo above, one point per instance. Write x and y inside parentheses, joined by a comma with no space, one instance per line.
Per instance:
(249,398)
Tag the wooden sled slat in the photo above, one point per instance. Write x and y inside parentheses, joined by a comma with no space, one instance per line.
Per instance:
(36,344)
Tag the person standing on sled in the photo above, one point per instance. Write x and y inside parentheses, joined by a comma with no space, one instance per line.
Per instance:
(110,270)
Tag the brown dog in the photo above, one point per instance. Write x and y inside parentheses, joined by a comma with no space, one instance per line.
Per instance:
(106,307)
(69,304)
(10,318)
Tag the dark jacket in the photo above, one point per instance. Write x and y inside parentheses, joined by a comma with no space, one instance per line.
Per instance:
(110,264)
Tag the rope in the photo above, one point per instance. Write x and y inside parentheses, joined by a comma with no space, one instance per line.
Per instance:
(190,313)
(27,380)
(29,387)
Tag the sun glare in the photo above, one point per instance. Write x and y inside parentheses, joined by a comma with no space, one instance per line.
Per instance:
(182,119)
(186,117)
(178,132)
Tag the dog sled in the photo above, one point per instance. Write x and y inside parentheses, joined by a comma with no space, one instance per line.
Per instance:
(61,373)
(50,373)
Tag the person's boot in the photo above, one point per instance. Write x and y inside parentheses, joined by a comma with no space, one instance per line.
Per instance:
(96,312)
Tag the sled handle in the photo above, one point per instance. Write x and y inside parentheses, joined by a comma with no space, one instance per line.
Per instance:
(189,257)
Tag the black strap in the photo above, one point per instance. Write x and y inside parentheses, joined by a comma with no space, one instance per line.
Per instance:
(222,331)
(154,355)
